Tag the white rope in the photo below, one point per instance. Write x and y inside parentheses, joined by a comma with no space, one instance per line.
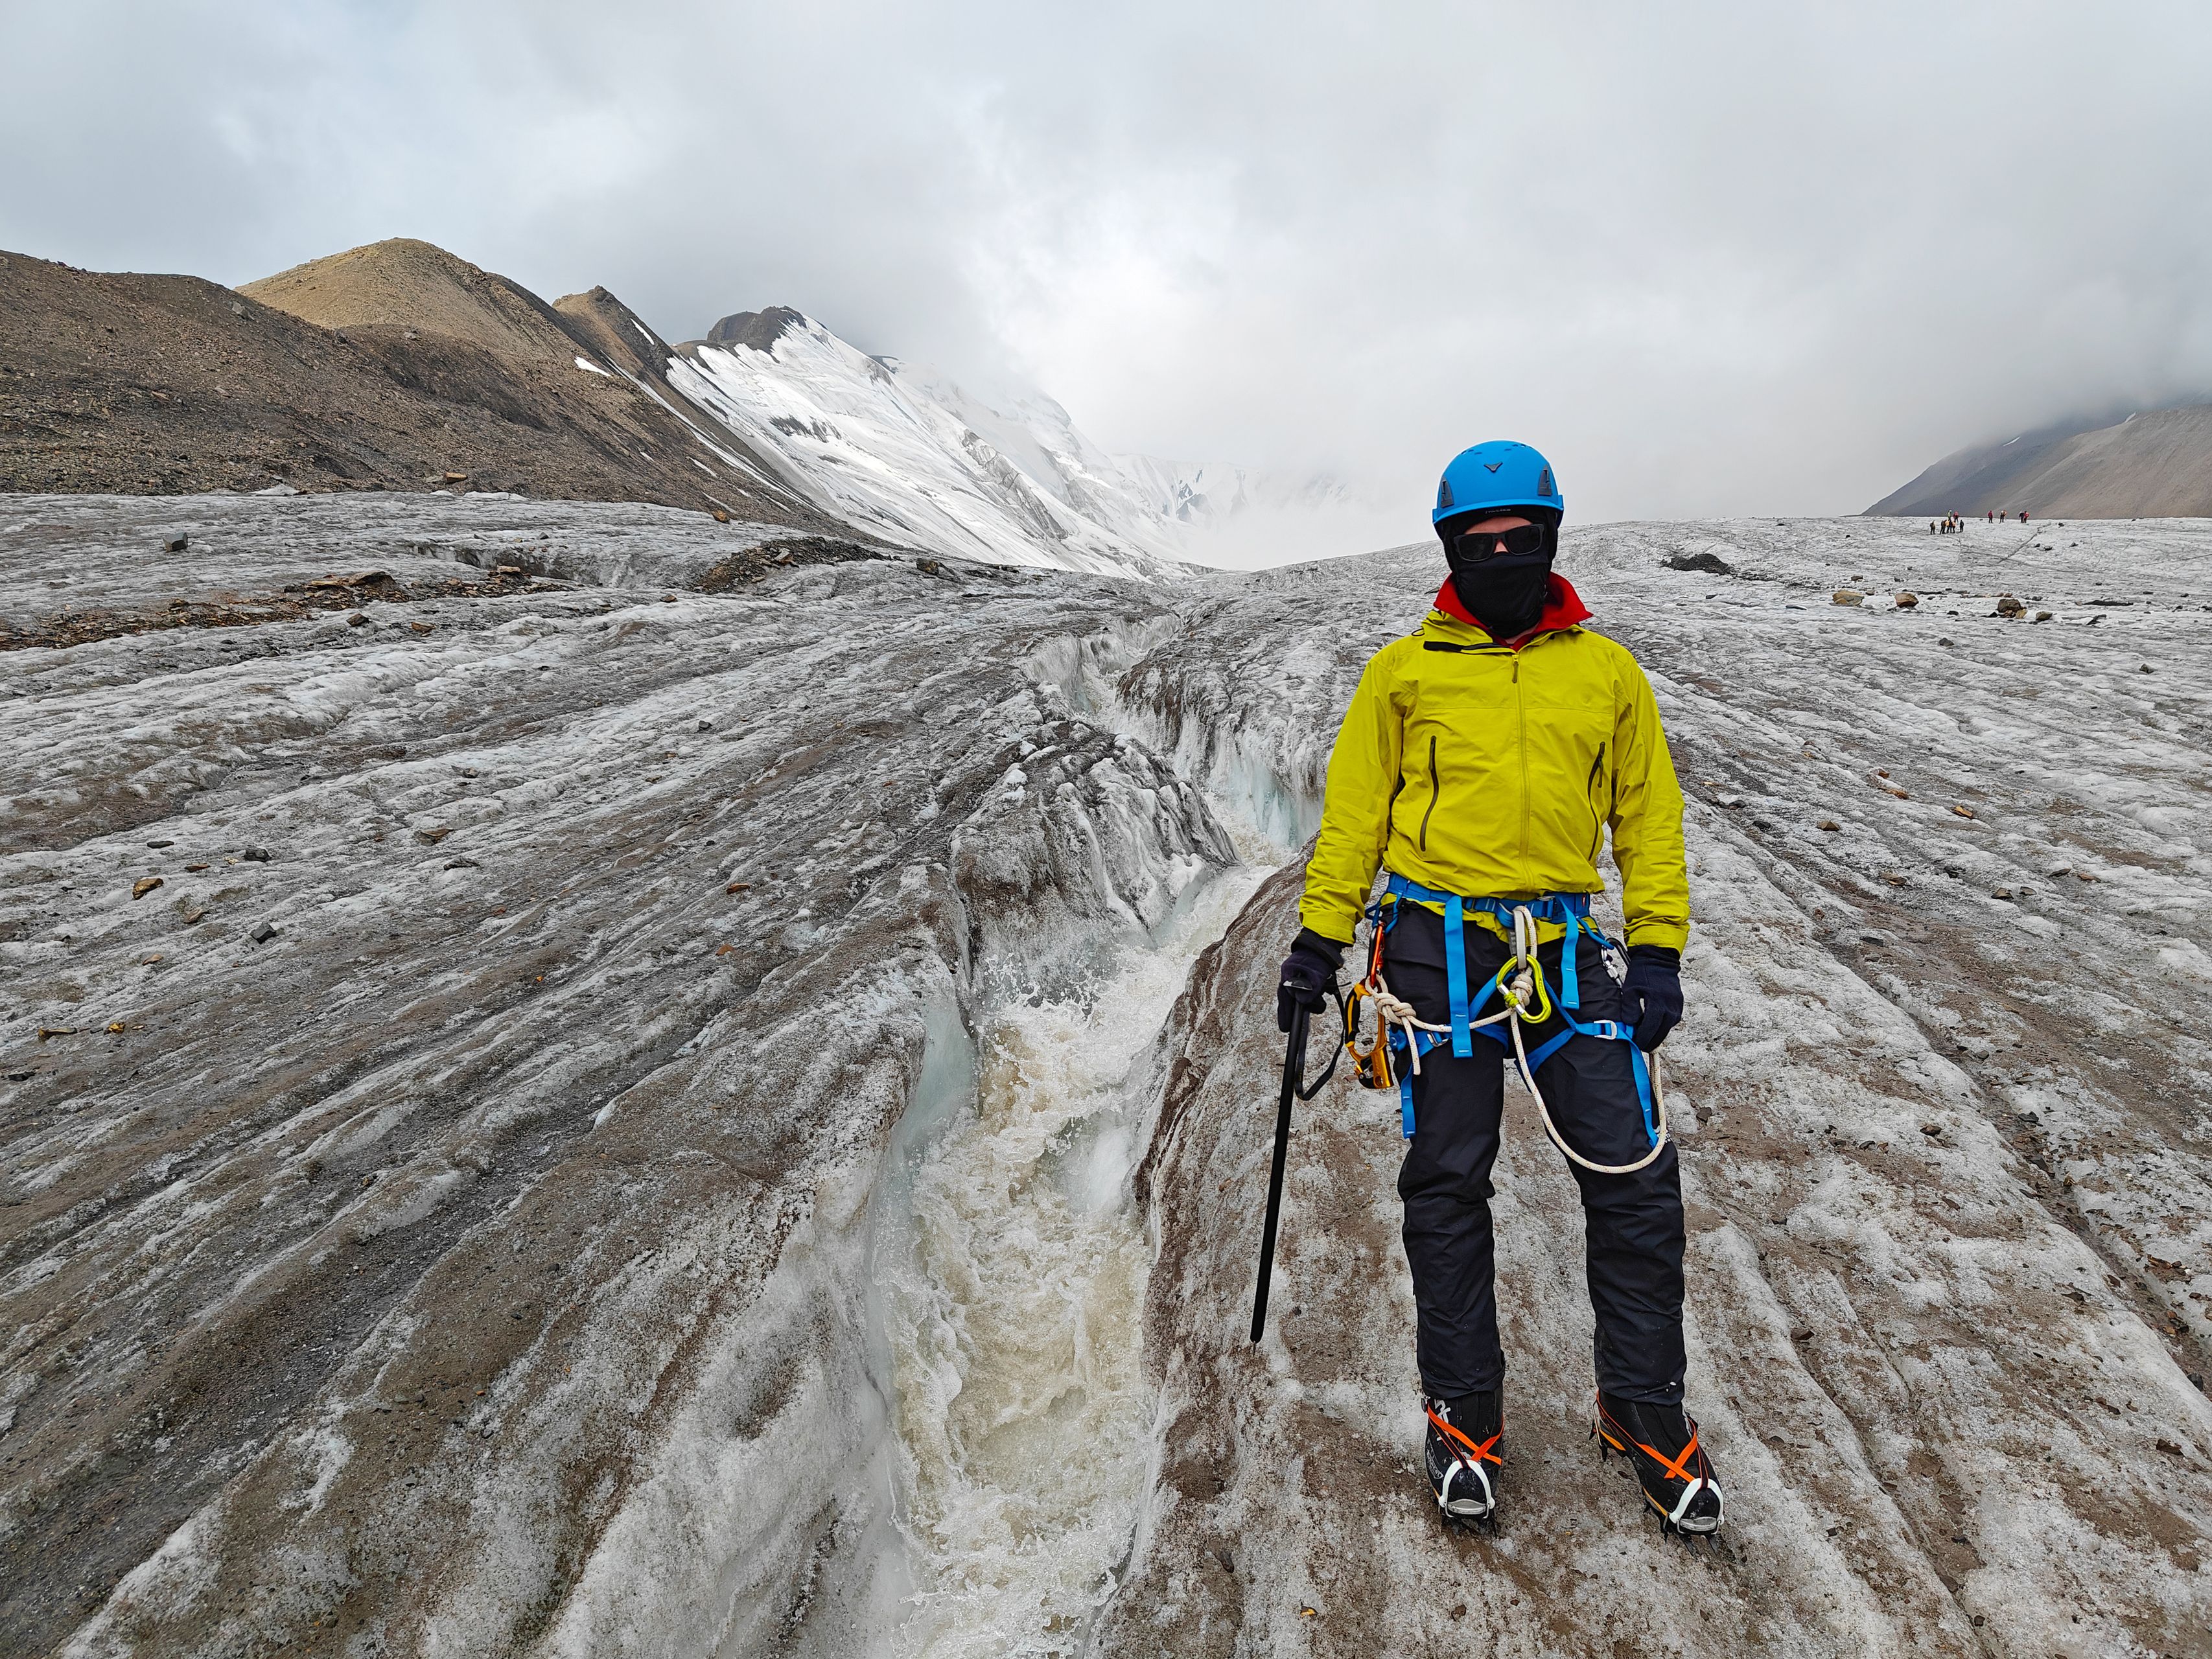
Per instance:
(1658,1101)
(1393,1011)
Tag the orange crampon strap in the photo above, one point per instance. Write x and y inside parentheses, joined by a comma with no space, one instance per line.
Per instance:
(1473,1453)
(1689,1466)
(1676,1468)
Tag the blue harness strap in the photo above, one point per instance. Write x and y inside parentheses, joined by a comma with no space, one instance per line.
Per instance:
(1456,972)
(1571,995)
(1570,912)
(1613,1031)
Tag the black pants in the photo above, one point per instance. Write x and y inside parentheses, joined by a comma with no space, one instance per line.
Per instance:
(1633,1223)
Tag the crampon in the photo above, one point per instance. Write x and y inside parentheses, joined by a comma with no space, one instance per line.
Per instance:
(1463,1453)
(1662,1444)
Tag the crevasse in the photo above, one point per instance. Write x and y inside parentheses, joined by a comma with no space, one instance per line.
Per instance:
(1012,1265)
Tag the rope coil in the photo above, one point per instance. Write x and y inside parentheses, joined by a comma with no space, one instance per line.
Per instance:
(1528,1001)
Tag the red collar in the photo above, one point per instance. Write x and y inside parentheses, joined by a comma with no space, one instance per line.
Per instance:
(1562,609)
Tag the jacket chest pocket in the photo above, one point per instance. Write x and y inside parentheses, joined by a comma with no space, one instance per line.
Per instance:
(1459,765)
(1436,788)
(1571,767)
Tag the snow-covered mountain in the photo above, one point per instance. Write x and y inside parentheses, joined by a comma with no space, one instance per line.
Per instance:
(401,366)
(980,470)
(1206,512)
(862,443)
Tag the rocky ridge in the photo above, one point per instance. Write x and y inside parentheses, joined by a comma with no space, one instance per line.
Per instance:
(2148,464)
(402,368)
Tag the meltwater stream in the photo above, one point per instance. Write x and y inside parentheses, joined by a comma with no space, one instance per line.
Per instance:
(1014,1295)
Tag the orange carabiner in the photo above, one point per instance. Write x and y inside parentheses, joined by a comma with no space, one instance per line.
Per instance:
(1370,1060)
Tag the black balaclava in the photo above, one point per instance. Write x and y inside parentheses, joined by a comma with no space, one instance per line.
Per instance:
(1506,593)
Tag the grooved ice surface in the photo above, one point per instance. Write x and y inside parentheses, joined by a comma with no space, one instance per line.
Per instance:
(492,1107)
(81,554)
(1943,1104)
(451,1231)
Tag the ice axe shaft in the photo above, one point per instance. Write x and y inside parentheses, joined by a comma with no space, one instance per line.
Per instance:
(1294,1056)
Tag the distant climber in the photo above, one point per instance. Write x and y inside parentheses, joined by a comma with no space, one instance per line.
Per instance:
(1482,762)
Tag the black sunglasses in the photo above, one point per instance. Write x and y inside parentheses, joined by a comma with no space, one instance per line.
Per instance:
(1476,545)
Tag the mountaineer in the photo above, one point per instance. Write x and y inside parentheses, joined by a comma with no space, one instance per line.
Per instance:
(1483,760)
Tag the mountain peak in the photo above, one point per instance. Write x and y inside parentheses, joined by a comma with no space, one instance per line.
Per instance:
(402,283)
(760,329)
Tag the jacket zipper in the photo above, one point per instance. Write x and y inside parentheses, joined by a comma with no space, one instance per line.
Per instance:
(1431,812)
(1596,777)
(1521,718)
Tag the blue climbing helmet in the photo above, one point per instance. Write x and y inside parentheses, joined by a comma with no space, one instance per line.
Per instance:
(1498,477)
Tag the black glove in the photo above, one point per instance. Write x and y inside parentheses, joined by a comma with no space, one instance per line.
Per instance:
(1308,972)
(1651,995)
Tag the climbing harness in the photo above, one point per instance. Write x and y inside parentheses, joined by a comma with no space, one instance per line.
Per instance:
(1393,1053)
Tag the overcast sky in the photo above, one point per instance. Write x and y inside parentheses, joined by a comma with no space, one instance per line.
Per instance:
(1714,259)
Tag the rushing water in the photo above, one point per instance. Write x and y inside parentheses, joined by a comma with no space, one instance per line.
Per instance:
(1014,1297)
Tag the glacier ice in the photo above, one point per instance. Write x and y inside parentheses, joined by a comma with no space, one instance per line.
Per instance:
(678,1001)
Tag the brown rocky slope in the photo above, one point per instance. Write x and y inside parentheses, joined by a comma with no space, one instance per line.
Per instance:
(392,367)
(2155,464)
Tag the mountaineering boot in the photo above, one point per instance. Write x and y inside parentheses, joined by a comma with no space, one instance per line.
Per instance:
(1662,1442)
(1463,1454)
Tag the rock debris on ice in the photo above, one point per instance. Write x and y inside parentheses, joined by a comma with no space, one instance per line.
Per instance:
(693,1143)
(1955,1379)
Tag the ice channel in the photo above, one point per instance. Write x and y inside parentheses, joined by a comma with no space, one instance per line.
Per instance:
(1011,1269)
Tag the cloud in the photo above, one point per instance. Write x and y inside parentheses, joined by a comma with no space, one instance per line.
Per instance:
(1714,259)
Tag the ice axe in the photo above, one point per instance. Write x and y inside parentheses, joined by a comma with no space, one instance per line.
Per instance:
(1295,1087)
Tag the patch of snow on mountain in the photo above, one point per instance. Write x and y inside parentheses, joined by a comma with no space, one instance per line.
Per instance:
(998,471)
(1037,435)
(896,462)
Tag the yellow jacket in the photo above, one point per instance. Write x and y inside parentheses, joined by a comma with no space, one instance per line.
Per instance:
(1477,769)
